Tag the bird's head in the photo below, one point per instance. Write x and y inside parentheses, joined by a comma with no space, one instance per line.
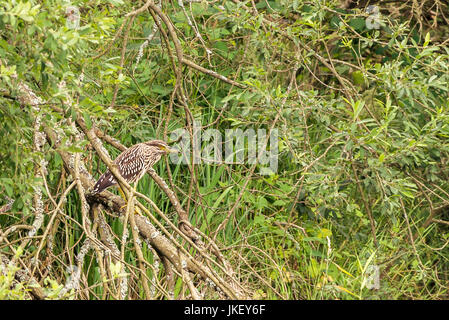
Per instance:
(161,146)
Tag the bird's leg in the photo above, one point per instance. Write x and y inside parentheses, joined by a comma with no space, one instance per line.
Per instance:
(122,194)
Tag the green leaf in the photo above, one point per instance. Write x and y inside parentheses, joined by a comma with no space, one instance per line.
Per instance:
(9,190)
(426,39)
(280,203)
(357,23)
(163,91)
(87,120)
(261,203)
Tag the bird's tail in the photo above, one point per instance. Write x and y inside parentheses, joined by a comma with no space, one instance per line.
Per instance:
(105,181)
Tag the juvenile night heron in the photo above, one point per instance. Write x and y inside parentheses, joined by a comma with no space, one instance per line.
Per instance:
(133,163)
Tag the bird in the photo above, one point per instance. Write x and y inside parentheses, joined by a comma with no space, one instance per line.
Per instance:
(133,163)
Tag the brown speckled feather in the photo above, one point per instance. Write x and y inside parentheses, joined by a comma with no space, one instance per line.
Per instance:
(132,164)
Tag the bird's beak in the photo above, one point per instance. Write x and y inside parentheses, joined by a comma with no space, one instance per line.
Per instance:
(172,150)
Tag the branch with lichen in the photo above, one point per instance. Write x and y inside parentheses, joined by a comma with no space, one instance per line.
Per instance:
(27,97)
(167,247)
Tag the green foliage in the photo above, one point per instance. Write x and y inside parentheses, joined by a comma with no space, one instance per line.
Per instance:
(10,289)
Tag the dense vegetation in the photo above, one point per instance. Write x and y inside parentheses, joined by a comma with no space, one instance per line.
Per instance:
(358,207)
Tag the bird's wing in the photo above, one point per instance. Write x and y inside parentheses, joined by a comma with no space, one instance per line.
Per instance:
(131,163)
(105,181)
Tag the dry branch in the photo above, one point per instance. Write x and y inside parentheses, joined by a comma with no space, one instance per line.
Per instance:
(158,241)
